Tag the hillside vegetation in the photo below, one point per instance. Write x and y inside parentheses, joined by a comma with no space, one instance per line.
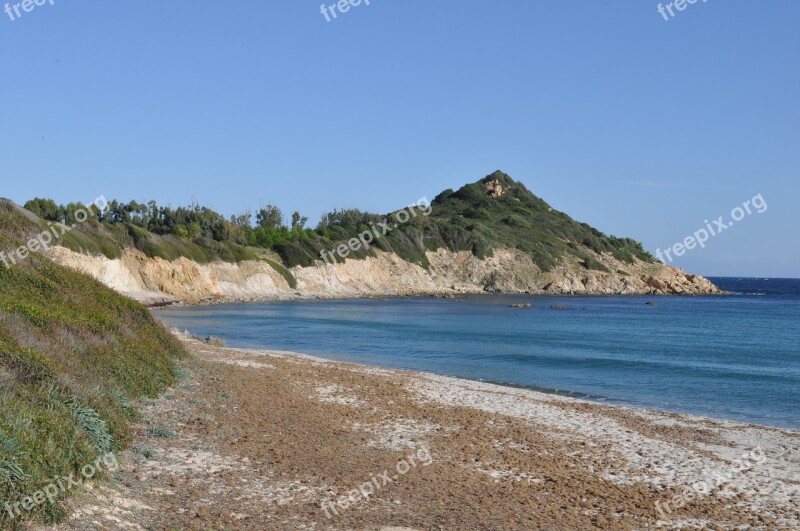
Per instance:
(74,356)
(480,217)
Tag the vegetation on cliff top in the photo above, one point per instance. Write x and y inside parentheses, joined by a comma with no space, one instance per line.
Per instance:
(74,355)
(480,217)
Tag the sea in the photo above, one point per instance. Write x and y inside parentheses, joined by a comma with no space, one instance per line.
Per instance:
(733,357)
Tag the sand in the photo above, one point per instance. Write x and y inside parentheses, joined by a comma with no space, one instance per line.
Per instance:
(277,440)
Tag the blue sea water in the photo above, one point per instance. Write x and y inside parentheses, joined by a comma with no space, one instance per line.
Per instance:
(734,357)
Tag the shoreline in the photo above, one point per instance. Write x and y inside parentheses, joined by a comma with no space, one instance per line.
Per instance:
(538,393)
(455,296)
(276,440)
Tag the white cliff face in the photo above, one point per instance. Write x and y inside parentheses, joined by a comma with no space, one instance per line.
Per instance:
(155,281)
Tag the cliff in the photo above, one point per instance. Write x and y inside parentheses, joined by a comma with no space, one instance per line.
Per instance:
(158,281)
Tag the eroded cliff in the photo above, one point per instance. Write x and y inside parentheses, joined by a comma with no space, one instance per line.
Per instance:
(157,281)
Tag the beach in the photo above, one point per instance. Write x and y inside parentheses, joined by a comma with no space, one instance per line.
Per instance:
(254,439)
(400,278)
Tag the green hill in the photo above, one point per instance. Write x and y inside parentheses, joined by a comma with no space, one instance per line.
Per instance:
(74,355)
(480,217)
(493,212)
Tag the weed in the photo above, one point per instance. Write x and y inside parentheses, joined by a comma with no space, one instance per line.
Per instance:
(91,423)
(145,451)
(11,473)
(160,431)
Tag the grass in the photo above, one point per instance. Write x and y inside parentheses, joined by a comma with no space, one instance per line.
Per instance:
(92,425)
(284,272)
(74,358)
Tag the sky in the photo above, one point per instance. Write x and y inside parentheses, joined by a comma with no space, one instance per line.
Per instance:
(640,126)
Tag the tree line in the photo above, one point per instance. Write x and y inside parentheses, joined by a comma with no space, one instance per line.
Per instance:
(266,229)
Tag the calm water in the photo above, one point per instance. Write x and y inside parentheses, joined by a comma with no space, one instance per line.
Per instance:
(735,357)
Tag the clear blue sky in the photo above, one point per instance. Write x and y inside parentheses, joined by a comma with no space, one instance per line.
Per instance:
(638,126)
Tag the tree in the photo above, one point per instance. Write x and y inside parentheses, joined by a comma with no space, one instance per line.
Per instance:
(139,213)
(194,230)
(298,222)
(45,209)
(71,208)
(243,220)
(269,217)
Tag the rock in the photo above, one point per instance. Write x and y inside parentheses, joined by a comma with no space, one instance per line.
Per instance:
(655,283)
(558,307)
(651,303)
(494,189)
(521,305)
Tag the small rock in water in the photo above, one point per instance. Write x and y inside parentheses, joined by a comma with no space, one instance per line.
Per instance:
(651,303)
(558,307)
(521,305)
